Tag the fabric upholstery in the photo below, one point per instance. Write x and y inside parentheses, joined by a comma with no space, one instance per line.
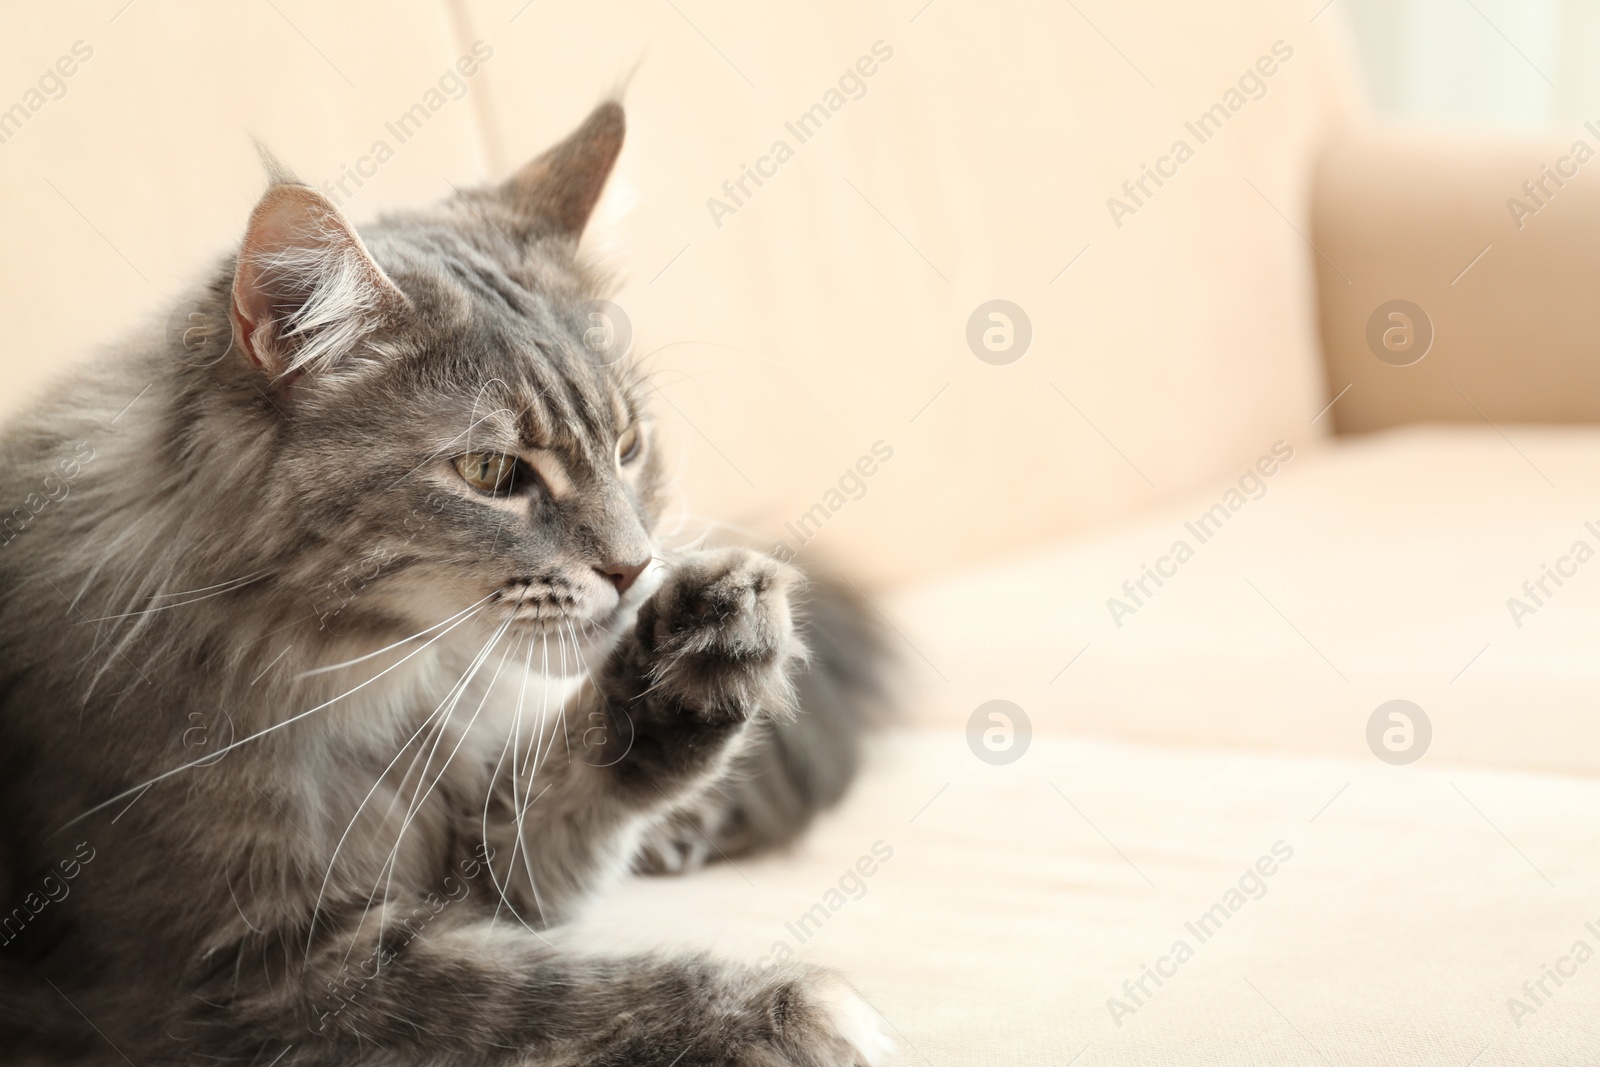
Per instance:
(829,310)
(1371,569)
(1019,899)
(1497,248)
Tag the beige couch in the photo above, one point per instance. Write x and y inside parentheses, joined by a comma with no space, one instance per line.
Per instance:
(1187,736)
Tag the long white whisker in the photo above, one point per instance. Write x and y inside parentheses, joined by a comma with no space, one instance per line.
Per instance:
(421,796)
(527,854)
(536,762)
(316,909)
(386,648)
(488,691)
(167,607)
(215,756)
(521,809)
(466,730)
(452,698)
(583,663)
(544,713)
(577,647)
(562,718)
(427,723)
(208,588)
(513,745)
(542,754)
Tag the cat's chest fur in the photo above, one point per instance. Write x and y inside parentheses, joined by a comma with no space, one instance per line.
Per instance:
(383,789)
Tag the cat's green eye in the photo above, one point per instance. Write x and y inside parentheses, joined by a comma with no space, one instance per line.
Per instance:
(629,444)
(489,472)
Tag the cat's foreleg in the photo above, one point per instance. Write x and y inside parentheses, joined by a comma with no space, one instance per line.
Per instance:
(462,989)
(712,651)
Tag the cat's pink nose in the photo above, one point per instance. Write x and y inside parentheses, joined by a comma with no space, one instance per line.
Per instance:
(623,575)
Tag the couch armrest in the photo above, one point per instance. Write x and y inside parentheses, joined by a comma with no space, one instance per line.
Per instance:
(1507,279)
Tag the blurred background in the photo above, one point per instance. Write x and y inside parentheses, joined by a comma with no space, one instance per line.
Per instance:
(1489,64)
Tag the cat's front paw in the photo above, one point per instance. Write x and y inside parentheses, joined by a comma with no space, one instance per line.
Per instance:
(711,650)
(856,1035)
(795,1017)
(718,636)
(817,1020)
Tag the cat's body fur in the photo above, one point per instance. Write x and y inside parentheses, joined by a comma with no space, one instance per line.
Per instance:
(350,864)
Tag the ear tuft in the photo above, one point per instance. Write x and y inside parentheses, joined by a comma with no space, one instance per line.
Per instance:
(305,291)
(556,193)
(277,172)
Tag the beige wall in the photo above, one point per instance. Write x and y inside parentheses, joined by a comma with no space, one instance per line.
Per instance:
(826,312)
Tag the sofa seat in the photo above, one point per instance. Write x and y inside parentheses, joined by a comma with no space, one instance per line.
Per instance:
(1370,569)
(1017,900)
(1218,734)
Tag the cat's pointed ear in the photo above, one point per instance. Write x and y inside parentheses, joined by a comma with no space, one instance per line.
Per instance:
(305,291)
(555,194)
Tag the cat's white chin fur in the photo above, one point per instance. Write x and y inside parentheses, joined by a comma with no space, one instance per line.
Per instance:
(853,1019)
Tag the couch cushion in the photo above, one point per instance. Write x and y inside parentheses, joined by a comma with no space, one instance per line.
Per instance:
(1370,570)
(1413,905)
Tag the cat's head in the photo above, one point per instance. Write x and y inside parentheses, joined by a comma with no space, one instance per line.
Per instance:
(442,421)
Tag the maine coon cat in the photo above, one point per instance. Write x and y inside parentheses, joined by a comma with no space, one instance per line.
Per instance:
(273,611)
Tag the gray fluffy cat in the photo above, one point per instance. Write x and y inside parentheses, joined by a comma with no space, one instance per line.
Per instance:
(279,782)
